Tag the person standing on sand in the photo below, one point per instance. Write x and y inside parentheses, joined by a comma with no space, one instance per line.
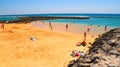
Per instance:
(85,36)
(2,26)
(66,27)
(105,27)
(50,26)
(88,30)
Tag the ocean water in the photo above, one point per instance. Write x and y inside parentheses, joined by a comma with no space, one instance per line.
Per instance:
(95,19)
(8,18)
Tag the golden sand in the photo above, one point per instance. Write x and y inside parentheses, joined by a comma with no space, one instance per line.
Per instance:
(51,49)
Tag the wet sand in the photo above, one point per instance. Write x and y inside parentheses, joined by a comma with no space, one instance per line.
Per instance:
(72,27)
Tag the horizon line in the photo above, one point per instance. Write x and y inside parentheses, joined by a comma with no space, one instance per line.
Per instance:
(55,13)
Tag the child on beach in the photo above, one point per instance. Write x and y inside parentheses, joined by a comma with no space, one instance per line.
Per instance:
(66,26)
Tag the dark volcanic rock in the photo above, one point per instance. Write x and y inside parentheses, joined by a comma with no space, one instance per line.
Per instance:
(105,52)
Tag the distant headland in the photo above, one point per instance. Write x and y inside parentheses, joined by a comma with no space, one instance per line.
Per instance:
(35,18)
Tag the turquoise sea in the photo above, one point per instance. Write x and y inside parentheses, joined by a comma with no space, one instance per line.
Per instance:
(95,19)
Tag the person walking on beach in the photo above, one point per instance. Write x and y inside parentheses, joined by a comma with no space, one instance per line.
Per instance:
(2,26)
(105,27)
(85,36)
(50,26)
(88,30)
(66,27)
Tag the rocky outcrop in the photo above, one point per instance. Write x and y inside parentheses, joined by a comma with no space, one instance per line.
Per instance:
(28,19)
(105,52)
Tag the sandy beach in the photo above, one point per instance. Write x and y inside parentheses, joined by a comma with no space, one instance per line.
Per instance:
(59,33)
(50,49)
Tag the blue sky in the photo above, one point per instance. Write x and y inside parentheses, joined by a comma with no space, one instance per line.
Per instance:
(58,6)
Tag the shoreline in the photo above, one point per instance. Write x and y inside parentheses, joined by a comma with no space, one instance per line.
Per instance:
(72,27)
(111,27)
